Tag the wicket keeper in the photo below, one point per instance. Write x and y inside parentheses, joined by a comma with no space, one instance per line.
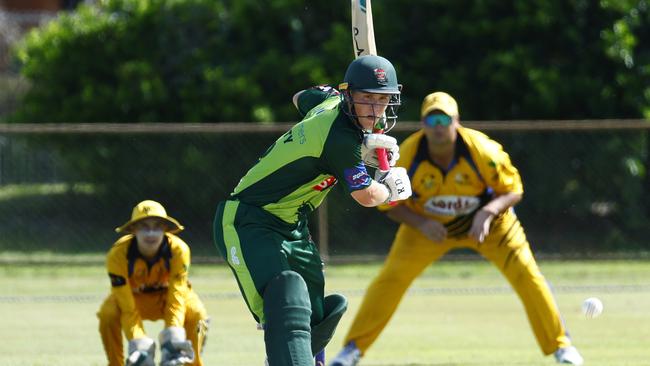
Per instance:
(464,190)
(148,269)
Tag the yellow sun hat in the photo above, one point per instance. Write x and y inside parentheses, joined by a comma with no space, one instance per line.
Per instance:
(147,209)
(439,101)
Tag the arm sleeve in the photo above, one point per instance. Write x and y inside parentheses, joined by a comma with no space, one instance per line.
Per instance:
(130,320)
(342,155)
(178,286)
(498,171)
(309,98)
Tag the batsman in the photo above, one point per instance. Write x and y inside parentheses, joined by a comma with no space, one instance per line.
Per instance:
(261,229)
(148,271)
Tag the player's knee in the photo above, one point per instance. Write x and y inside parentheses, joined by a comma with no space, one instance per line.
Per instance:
(287,312)
(108,313)
(286,299)
(392,279)
(334,306)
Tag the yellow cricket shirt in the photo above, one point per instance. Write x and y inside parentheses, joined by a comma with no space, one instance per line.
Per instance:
(133,277)
(480,169)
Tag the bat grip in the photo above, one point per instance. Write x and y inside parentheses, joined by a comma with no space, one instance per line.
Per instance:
(382,157)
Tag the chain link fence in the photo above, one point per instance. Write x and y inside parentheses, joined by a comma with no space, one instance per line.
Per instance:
(64,188)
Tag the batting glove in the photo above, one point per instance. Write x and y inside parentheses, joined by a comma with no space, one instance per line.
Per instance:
(141,352)
(398,183)
(375,141)
(174,347)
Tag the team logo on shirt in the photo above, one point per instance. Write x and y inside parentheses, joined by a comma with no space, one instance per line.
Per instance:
(357,177)
(326,183)
(462,179)
(380,75)
(452,205)
(428,181)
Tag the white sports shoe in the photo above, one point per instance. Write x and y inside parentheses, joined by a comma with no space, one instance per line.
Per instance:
(349,356)
(569,355)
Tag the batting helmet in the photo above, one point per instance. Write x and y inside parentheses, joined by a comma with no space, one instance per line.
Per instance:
(372,74)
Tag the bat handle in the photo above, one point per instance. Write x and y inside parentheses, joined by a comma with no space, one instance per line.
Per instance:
(382,157)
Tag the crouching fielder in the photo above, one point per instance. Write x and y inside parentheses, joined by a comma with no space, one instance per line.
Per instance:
(148,270)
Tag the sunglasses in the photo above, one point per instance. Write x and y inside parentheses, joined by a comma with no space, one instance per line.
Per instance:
(437,119)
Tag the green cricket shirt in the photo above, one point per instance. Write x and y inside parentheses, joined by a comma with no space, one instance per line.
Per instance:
(297,171)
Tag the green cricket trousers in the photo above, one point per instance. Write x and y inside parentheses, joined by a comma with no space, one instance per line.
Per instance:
(258,246)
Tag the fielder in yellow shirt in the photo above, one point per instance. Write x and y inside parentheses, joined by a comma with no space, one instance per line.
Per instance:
(148,270)
(464,187)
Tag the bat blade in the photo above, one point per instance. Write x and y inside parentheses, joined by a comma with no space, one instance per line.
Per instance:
(363,43)
(363,33)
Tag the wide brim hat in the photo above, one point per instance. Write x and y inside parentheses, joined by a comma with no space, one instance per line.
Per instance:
(439,101)
(147,209)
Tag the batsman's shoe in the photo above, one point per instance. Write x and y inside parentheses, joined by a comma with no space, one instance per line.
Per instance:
(349,356)
(568,355)
(319,359)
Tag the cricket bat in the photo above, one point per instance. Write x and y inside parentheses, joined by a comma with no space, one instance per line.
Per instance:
(363,33)
(363,42)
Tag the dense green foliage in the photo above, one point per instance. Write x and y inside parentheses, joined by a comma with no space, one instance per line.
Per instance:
(221,61)
(212,61)
(181,61)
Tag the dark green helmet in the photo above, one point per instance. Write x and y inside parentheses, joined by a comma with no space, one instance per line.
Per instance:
(372,74)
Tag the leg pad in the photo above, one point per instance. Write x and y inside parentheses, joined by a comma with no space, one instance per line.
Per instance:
(334,307)
(287,310)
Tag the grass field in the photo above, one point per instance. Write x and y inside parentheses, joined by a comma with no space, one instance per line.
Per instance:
(457,313)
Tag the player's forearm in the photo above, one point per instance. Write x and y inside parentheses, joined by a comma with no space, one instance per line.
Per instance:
(502,203)
(372,196)
(405,215)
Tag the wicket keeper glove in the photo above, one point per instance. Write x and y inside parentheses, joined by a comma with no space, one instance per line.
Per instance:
(375,141)
(141,352)
(175,348)
(398,183)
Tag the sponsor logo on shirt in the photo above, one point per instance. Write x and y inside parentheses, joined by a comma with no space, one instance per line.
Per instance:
(452,205)
(326,183)
(357,177)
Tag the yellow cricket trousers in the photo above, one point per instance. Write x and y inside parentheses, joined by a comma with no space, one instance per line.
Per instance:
(506,247)
(151,306)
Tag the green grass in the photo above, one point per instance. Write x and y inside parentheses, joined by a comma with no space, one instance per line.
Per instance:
(49,315)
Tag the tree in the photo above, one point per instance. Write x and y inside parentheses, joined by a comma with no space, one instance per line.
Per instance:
(218,60)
